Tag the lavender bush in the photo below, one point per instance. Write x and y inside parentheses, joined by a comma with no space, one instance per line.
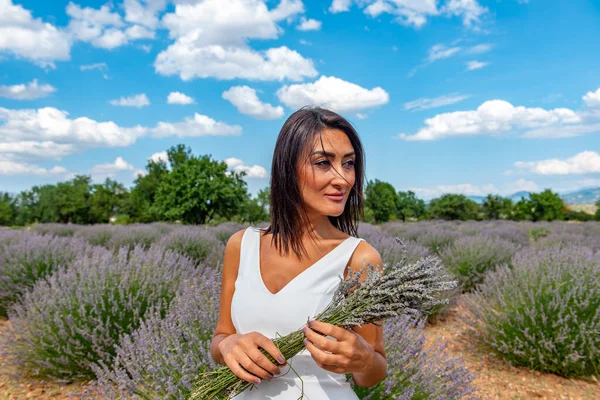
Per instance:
(471,257)
(198,243)
(544,312)
(225,230)
(76,316)
(26,257)
(163,357)
(56,229)
(133,235)
(415,372)
(97,235)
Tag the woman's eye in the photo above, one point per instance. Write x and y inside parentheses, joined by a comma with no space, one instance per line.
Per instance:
(350,163)
(321,163)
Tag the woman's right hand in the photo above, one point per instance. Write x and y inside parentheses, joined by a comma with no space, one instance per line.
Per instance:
(243,351)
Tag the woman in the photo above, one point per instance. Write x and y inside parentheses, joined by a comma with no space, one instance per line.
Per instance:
(275,279)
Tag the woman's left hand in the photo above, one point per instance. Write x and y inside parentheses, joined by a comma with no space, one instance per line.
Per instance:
(351,353)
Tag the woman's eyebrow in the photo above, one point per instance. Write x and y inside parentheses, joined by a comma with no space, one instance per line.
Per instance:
(330,154)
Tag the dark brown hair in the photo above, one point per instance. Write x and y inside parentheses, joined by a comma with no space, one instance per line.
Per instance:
(286,210)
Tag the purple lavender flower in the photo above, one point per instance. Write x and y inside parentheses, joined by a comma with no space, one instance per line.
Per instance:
(197,243)
(77,315)
(26,257)
(470,257)
(164,356)
(544,311)
(415,372)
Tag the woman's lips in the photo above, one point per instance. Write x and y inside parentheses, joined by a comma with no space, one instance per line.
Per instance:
(335,197)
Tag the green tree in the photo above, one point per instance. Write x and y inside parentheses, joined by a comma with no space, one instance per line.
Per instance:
(264,198)
(198,188)
(409,206)
(454,207)
(597,215)
(73,200)
(138,204)
(547,206)
(497,207)
(106,200)
(8,209)
(26,208)
(523,210)
(45,206)
(381,199)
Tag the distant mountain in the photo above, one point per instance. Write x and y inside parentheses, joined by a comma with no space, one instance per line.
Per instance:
(582,196)
(589,195)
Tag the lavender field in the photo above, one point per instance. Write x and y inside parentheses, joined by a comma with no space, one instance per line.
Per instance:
(128,311)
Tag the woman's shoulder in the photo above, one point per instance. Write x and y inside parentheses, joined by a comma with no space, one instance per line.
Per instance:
(365,251)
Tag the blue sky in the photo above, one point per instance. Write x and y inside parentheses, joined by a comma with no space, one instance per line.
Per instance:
(448,96)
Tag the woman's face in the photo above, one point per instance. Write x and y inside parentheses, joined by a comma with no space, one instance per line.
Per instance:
(328,175)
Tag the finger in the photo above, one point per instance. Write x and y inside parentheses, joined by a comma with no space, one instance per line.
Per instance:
(325,328)
(320,356)
(262,361)
(240,372)
(267,344)
(320,341)
(249,365)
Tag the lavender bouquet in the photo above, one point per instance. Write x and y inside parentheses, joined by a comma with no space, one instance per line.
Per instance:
(410,289)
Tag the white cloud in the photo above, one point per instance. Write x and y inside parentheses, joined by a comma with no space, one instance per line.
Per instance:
(160,156)
(586,162)
(493,117)
(199,125)
(469,10)
(562,131)
(592,99)
(309,24)
(138,100)
(247,102)
(520,186)
(222,22)
(415,13)
(237,165)
(189,61)
(26,91)
(286,9)
(332,92)
(361,115)
(105,28)
(338,6)
(25,149)
(102,171)
(139,173)
(90,67)
(139,32)
(179,98)
(480,48)
(211,41)
(48,133)
(472,65)
(425,103)
(18,168)
(440,51)
(49,124)
(31,39)
(145,47)
(96,26)
(144,12)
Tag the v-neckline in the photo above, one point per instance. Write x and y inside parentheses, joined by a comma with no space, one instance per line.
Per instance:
(260,277)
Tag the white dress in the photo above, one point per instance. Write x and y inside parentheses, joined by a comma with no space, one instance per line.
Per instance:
(255,308)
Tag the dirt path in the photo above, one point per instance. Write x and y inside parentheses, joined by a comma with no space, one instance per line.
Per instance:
(499,380)
(496,379)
